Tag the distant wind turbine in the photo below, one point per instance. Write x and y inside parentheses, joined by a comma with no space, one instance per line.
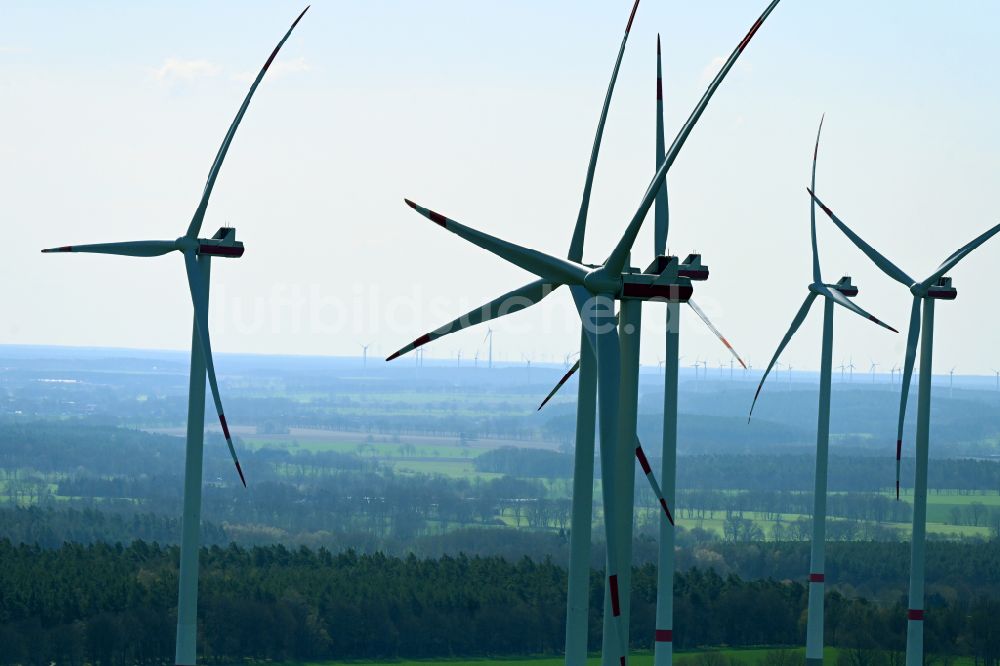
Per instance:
(833,294)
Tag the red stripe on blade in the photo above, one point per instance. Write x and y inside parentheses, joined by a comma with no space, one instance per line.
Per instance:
(437,218)
(816,578)
(664,636)
(628,28)
(410,204)
(240,471)
(663,503)
(899,448)
(746,40)
(613,586)
(300,17)
(915,614)
(225,426)
(271,58)
(659,88)
(642,460)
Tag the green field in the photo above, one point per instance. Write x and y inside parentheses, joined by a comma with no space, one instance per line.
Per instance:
(747,656)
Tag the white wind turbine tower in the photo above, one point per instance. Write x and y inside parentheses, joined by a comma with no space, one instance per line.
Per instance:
(871,370)
(594,289)
(925,292)
(832,294)
(364,355)
(951,382)
(197,253)
(997,373)
(475,359)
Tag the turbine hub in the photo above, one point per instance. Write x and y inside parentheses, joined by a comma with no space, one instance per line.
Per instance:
(600,281)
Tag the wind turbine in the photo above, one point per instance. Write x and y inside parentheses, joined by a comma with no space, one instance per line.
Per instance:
(833,294)
(197,253)
(850,370)
(459,363)
(871,370)
(475,360)
(997,373)
(594,289)
(364,355)
(892,376)
(951,382)
(489,336)
(925,292)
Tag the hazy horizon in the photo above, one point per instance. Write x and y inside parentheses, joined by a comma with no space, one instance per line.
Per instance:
(108,133)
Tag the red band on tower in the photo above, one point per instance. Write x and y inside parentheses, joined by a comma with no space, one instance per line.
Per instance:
(816,578)
(664,636)
(915,614)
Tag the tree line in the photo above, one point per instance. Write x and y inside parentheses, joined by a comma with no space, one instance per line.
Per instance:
(298,604)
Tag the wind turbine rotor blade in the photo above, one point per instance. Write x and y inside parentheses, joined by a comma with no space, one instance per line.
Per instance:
(565,378)
(817,277)
(198,300)
(512,301)
(661,214)
(616,261)
(958,255)
(127,249)
(648,471)
(545,266)
(800,316)
(701,314)
(840,299)
(576,245)
(912,336)
(877,258)
(199,215)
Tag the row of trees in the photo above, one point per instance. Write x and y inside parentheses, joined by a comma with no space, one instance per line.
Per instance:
(105,604)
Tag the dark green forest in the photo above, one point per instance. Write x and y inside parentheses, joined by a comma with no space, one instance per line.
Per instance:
(107,604)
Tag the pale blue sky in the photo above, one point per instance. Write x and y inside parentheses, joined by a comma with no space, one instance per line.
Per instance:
(112,113)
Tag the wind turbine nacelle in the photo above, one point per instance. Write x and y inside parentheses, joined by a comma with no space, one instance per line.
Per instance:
(222,244)
(647,287)
(943,290)
(845,287)
(692,268)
